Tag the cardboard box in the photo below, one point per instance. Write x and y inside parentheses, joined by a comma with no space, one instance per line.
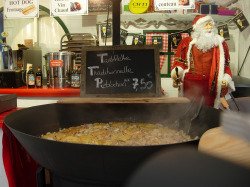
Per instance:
(208,9)
(7,102)
(28,43)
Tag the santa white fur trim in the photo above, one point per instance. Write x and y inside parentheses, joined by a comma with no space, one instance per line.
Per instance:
(180,72)
(202,20)
(230,82)
(188,56)
(227,78)
(220,73)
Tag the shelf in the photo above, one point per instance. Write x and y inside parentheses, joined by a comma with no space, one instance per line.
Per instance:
(161,19)
(42,92)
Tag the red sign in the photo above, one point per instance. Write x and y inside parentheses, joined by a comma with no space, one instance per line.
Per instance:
(56,63)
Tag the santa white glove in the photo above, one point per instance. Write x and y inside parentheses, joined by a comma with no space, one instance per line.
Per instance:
(225,81)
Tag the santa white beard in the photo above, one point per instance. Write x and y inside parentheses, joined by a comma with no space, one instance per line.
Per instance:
(205,39)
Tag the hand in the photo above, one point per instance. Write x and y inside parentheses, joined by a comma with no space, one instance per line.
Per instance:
(224,84)
(176,80)
(175,84)
(174,76)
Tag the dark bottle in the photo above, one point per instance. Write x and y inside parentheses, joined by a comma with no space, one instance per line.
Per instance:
(31,78)
(75,78)
(39,78)
(48,78)
(23,72)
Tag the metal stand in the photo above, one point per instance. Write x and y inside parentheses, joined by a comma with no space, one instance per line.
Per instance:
(244,61)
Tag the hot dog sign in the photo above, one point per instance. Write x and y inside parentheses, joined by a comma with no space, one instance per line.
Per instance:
(21,9)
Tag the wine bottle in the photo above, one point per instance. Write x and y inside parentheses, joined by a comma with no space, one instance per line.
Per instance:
(31,78)
(39,78)
(75,78)
(24,76)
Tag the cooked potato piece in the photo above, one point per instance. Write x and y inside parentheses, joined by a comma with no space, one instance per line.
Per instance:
(119,133)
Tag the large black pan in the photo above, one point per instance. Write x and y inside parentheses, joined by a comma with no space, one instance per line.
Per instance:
(106,165)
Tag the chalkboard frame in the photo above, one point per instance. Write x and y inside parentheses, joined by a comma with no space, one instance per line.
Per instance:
(154,49)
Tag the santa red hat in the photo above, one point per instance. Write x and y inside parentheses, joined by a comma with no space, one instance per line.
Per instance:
(199,19)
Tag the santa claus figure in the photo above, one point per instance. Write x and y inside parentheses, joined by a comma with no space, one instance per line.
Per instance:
(201,65)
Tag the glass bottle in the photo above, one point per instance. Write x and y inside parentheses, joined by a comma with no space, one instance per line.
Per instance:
(75,78)
(30,78)
(23,72)
(39,78)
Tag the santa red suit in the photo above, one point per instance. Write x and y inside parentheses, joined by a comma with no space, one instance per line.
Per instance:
(202,66)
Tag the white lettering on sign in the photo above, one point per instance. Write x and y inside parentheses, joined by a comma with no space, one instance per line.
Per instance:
(95,71)
(102,55)
(141,84)
(113,58)
(91,68)
(138,84)
(100,83)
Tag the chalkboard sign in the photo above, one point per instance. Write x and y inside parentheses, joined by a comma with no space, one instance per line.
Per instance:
(124,71)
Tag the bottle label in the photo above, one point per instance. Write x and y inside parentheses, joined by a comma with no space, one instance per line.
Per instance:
(38,81)
(31,80)
(75,80)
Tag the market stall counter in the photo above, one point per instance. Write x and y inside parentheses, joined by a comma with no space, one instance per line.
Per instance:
(41,92)
(27,97)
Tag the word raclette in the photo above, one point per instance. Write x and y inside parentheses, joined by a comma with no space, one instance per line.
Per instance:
(120,71)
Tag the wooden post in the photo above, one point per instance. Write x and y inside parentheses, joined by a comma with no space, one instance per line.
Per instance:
(116,15)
